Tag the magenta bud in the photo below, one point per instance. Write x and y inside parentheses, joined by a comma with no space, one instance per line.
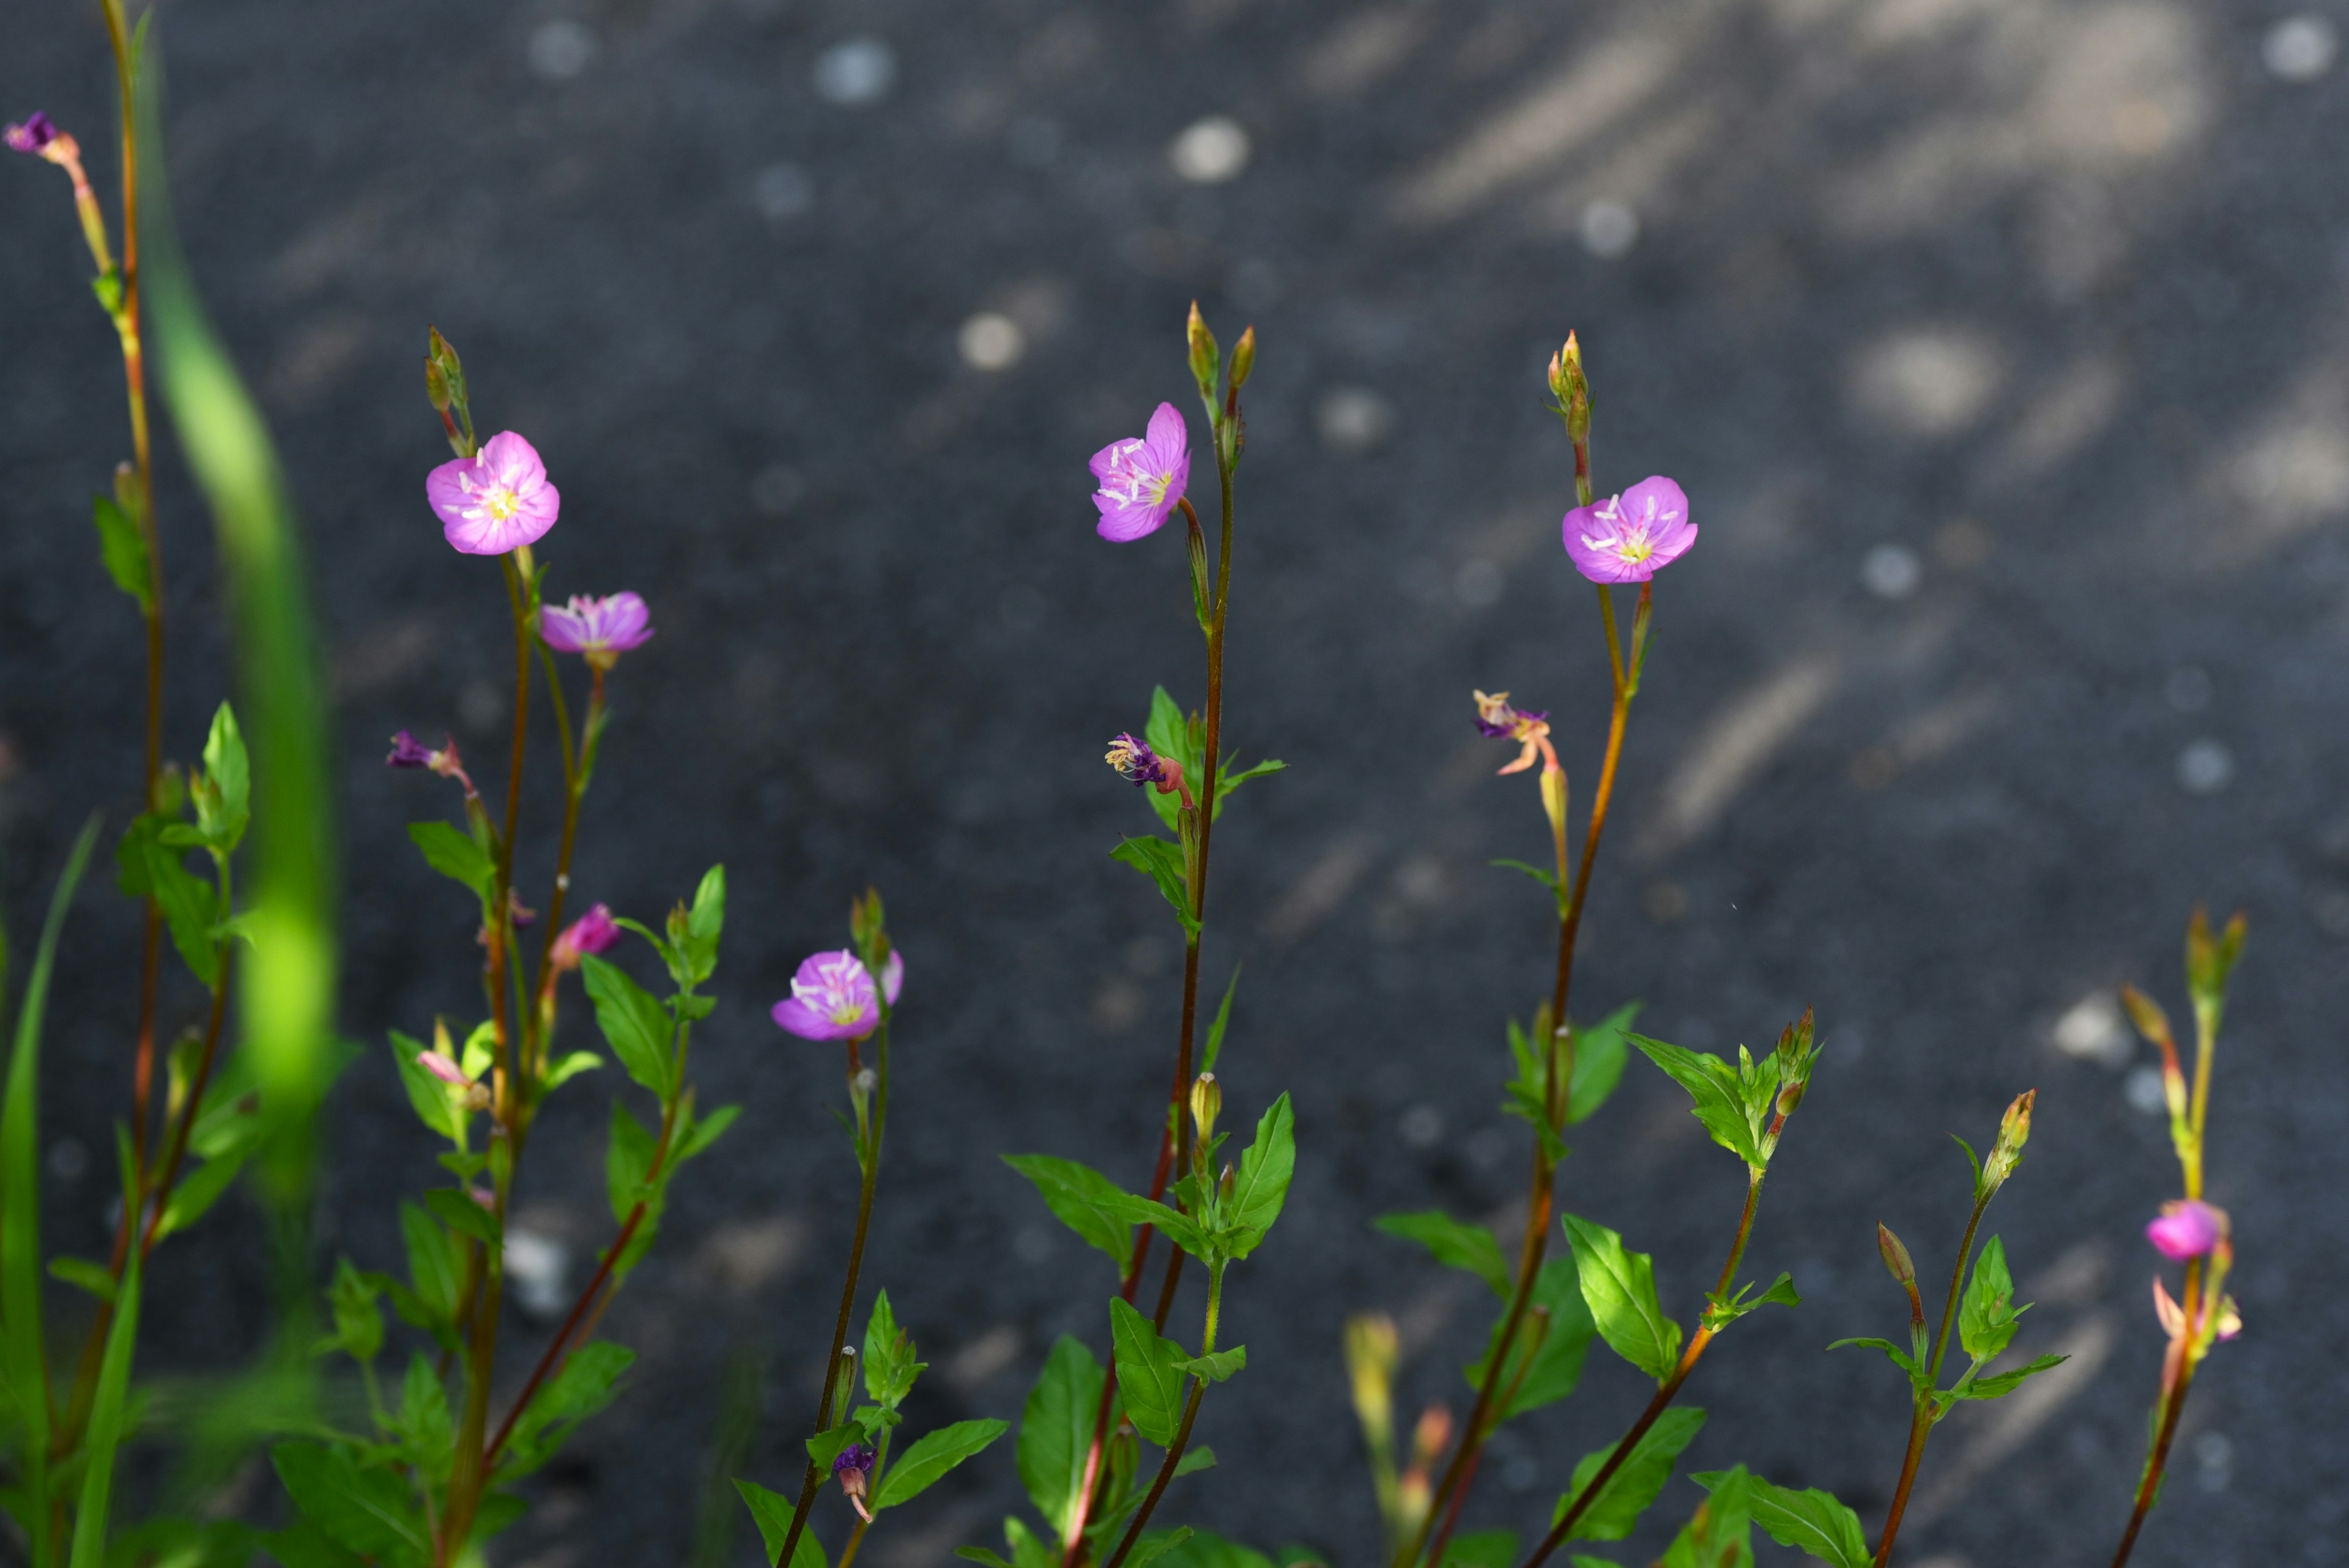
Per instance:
(2188,1230)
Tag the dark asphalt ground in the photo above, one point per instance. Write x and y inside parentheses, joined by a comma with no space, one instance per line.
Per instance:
(2000,345)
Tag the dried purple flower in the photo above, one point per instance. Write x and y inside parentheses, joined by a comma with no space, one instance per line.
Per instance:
(1497,719)
(34,136)
(1630,538)
(496,500)
(593,932)
(599,630)
(408,751)
(1141,480)
(1133,758)
(852,1468)
(832,997)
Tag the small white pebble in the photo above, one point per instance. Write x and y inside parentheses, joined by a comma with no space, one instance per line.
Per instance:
(1891,571)
(2093,1029)
(2300,48)
(1609,228)
(783,190)
(856,71)
(560,50)
(1423,1126)
(2143,1091)
(1211,151)
(1354,419)
(535,1267)
(2205,767)
(990,341)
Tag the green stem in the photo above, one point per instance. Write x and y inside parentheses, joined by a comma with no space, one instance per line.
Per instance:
(2173,1406)
(1920,1422)
(1182,1432)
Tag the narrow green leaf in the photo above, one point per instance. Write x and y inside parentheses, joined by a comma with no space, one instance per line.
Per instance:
(1712,1085)
(1214,1047)
(826,1445)
(123,549)
(704,922)
(1812,1521)
(1557,1366)
(23,1354)
(634,1021)
(1149,1373)
(191,906)
(627,1160)
(105,1423)
(1154,1547)
(1620,1288)
(932,1454)
(588,1381)
(434,1266)
(1719,1315)
(2006,1383)
(456,1209)
(703,1132)
(570,1067)
(427,1434)
(438,1105)
(455,855)
(1179,1229)
(1056,1428)
(1894,1353)
(1987,1319)
(1455,1243)
(1720,1532)
(229,773)
(1599,1052)
(1483,1549)
(889,1365)
(196,1192)
(365,1511)
(1196,1457)
(774,1512)
(1627,1493)
(1161,862)
(1262,1185)
(84,1274)
(1218,1368)
(1080,1198)
(1230,777)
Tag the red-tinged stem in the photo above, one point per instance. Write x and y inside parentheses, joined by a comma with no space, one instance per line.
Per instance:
(1920,1422)
(2173,1406)
(1181,1434)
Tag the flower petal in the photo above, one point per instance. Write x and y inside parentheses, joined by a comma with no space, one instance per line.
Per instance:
(1167,438)
(893,976)
(798,1018)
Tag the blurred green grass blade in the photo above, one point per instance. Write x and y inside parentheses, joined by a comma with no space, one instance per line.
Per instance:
(105,1434)
(26,1353)
(288,995)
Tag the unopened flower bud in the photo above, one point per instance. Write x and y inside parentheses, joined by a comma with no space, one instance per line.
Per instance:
(1206,1105)
(865,917)
(1572,390)
(1243,358)
(2014,1131)
(593,932)
(1431,1437)
(2188,1230)
(1373,1348)
(1895,1255)
(436,386)
(1224,1189)
(1204,356)
(1552,797)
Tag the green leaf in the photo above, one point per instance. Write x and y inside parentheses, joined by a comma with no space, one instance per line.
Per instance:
(636,1024)
(426,1432)
(23,1357)
(196,1192)
(1056,1428)
(1719,1314)
(124,550)
(702,1132)
(358,1322)
(1600,1053)
(1081,1198)
(570,1067)
(191,905)
(1264,1176)
(1811,1521)
(2006,1383)
(1713,1083)
(1720,1532)
(826,1445)
(628,1159)
(1229,778)
(1618,1507)
(1485,1549)
(364,1511)
(1149,1373)
(589,1380)
(225,805)
(1547,878)
(1214,1047)
(87,1275)
(889,1365)
(455,1208)
(1196,1457)
(1455,1243)
(434,1266)
(1894,1353)
(1170,735)
(455,855)
(1620,1288)
(1205,1548)
(1179,1229)
(704,922)
(1151,1548)
(1986,1321)
(1218,1368)
(774,1512)
(1557,1366)
(932,1454)
(107,1422)
(1161,862)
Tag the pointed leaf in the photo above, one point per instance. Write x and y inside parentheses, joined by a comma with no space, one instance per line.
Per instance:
(123,549)
(2007,1382)
(1619,1287)
(1813,1521)
(932,1454)
(773,1511)
(1056,1430)
(1149,1373)
(1455,1243)
(1214,1047)
(1712,1085)
(1218,1368)
(1264,1176)
(1986,1322)
(637,1026)
(1080,1198)
(1599,1056)
(1557,1366)
(455,855)
(1617,1508)
(364,1511)
(1161,862)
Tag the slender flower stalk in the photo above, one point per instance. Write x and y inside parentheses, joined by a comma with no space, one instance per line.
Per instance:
(1920,1421)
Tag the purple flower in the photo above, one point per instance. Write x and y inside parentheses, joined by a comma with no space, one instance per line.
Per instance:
(408,751)
(1131,757)
(852,1467)
(495,502)
(2188,1230)
(831,997)
(1630,538)
(1141,480)
(593,932)
(1496,718)
(600,630)
(34,136)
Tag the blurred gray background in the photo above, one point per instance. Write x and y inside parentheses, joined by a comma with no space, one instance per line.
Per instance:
(2000,345)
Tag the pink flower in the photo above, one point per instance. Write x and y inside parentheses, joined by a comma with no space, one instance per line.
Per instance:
(599,630)
(1630,538)
(831,997)
(593,932)
(2188,1230)
(1141,481)
(495,502)
(443,1068)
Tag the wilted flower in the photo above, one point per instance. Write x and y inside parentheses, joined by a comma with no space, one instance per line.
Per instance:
(408,751)
(34,136)
(599,630)
(852,1467)
(1141,480)
(1628,538)
(1497,718)
(496,500)
(593,932)
(2173,1316)
(2186,1230)
(833,998)
(1131,755)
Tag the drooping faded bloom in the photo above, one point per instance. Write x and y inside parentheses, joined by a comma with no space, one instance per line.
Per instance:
(1141,480)
(408,751)
(852,1468)
(593,932)
(2173,1317)
(496,500)
(1530,730)
(1630,538)
(1131,755)
(34,137)
(2186,1230)
(832,997)
(598,630)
